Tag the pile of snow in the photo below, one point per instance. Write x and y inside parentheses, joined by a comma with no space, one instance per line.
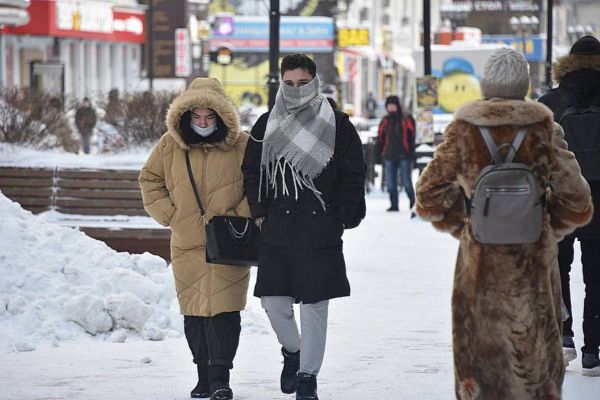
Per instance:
(19,156)
(59,284)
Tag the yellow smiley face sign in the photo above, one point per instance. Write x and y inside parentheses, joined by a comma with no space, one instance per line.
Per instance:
(456,89)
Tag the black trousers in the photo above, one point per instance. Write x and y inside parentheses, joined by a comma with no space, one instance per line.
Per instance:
(590,259)
(214,342)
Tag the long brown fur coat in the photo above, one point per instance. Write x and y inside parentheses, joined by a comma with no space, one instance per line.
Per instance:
(506,303)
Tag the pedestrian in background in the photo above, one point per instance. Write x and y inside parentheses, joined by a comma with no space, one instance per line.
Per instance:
(396,144)
(576,105)
(304,177)
(371,106)
(506,303)
(204,126)
(85,120)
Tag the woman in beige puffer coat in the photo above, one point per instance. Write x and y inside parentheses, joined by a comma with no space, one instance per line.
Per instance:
(205,123)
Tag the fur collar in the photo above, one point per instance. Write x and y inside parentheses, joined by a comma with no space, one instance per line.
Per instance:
(204,92)
(574,62)
(496,112)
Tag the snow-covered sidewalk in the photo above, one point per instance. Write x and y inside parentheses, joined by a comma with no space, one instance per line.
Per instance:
(390,340)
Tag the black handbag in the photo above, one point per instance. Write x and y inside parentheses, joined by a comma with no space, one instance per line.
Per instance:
(230,240)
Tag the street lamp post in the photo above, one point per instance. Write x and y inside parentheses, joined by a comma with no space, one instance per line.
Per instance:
(523,26)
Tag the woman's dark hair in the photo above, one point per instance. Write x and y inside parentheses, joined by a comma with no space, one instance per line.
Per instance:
(294,61)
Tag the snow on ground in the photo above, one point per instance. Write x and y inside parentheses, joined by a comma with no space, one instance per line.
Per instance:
(390,340)
(12,155)
(59,284)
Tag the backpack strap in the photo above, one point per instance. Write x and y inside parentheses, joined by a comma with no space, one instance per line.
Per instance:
(579,110)
(494,150)
(516,143)
(491,145)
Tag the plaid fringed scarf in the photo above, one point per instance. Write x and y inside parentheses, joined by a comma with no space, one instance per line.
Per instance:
(300,136)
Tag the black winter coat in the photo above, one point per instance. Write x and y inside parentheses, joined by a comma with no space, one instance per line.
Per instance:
(301,247)
(579,87)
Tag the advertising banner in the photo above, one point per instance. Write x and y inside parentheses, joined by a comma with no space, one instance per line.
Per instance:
(251,34)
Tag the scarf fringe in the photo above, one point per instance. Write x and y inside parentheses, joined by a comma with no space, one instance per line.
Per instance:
(278,169)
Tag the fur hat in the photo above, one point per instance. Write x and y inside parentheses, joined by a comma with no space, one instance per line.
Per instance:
(505,75)
(586,45)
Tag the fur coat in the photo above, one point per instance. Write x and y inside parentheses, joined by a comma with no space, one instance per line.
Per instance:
(203,289)
(506,302)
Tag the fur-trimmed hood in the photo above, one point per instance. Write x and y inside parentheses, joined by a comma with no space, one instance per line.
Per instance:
(574,62)
(208,93)
(497,112)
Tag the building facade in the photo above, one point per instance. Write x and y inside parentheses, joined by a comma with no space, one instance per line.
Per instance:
(76,48)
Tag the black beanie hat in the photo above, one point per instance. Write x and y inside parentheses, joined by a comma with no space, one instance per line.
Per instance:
(586,45)
(393,100)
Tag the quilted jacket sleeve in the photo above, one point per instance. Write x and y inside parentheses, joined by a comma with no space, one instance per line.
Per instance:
(569,199)
(155,194)
(439,197)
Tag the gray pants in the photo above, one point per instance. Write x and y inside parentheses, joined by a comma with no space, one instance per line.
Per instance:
(313,321)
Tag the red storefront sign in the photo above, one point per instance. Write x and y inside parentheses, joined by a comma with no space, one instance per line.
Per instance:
(83,20)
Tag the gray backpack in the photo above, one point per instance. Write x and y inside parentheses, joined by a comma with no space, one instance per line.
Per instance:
(506,205)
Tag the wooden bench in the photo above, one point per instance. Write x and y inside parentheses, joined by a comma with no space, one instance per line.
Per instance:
(90,200)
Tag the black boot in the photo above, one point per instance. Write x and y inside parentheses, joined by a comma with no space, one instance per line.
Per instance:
(221,392)
(291,364)
(219,383)
(201,391)
(307,387)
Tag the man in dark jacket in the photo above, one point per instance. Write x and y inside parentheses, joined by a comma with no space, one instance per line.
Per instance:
(578,76)
(304,176)
(85,120)
(396,142)
(371,106)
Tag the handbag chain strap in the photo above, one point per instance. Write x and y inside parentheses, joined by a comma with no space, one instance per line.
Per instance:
(189,169)
(236,234)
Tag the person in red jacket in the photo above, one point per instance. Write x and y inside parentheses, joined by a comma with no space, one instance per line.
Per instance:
(396,142)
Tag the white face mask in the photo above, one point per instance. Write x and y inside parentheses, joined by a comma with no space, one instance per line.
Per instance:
(204,132)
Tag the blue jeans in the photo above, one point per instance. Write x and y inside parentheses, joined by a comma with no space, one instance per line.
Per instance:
(391,177)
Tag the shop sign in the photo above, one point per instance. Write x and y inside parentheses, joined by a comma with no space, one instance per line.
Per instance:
(490,6)
(87,17)
(353,37)
(91,20)
(297,34)
(169,17)
(182,53)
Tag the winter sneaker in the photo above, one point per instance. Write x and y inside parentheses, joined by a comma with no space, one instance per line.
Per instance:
(590,364)
(569,351)
(202,389)
(393,208)
(221,392)
(291,364)
(307,387)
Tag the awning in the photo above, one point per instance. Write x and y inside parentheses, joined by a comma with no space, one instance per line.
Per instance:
(406,61)
(360,51)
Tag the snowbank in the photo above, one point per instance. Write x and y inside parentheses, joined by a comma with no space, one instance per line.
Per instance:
(59,284)
(12,155)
